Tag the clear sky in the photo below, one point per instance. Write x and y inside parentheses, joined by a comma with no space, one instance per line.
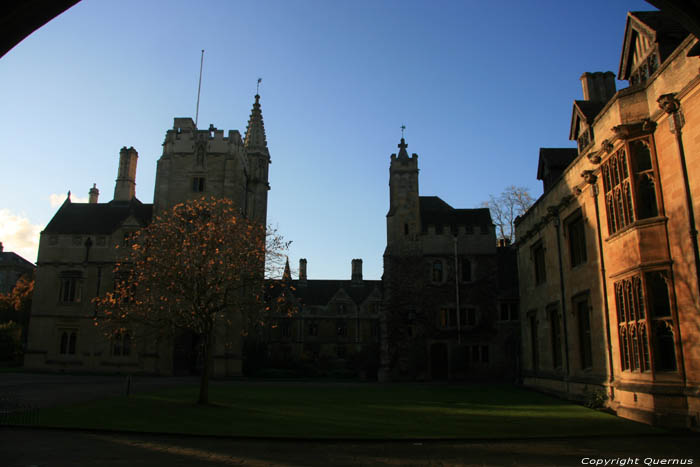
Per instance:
(480,86)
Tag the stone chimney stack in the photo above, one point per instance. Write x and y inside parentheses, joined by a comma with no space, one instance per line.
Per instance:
(357,270)
(598,86)
(125,188)
(302,269)
(93,194)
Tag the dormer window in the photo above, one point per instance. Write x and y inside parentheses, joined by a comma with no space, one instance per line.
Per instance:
(584,139)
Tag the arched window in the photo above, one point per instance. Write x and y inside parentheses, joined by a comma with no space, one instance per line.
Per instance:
(72,342)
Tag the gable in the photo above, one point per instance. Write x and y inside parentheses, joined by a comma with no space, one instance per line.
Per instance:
(650,37)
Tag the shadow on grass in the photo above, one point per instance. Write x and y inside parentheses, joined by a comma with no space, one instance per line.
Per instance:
(346,412)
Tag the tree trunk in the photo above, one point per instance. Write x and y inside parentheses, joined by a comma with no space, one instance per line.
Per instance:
(206,366)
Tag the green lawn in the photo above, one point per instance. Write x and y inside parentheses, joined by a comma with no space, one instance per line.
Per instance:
(319,410)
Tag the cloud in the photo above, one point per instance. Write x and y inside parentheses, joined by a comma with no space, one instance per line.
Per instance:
(56,200)
(19,235)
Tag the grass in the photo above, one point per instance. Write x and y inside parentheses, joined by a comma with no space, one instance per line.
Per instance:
(363,411)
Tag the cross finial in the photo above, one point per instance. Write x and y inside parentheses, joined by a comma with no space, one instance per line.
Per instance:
(257,88)
(403,128)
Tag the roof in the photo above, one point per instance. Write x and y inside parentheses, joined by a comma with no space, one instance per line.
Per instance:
(320,292)
(97,218)
(435,211)
(658,27)
(9,258)
(556,159)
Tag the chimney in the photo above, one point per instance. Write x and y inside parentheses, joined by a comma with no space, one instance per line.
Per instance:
(125,188)
(302,269)
(357,270)
(93,194)
(598,86)
(1,247)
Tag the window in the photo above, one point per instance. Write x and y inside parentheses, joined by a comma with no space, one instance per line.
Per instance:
(437,271)
(471,316)
(121,344)
(286,328)
(70,287)
(645,327)
(198,184)
(341,327)
(341,308)
(532,318)
(341,351)
(555,324)
(405,229)
(475,353)
(577,240)
(509,311)
(466,270)
(68,342)
(583,314)
(629,183)
(312,328)
(484,353)
(538,260)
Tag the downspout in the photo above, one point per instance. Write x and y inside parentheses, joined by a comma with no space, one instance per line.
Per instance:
(459,321)
(591,179)
(554,212)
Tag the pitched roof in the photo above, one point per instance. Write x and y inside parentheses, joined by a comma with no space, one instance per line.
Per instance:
(97,218)
(435,211)
(556,159)
(319,292)
(9,258)
(658,27)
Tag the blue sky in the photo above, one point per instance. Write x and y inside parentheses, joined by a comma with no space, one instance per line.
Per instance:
(480,86)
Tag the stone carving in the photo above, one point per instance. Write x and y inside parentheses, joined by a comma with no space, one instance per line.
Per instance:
(668,103)
(589,177)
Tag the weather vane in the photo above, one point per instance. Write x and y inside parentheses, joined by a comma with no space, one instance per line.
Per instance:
(257,88)
(403,128)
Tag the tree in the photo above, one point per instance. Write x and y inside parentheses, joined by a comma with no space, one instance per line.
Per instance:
(16,305)
(513,202)
(191,270)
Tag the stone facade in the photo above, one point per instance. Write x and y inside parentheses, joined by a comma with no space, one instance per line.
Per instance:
(608,256)
(77,251)
(322,320)
(450,299)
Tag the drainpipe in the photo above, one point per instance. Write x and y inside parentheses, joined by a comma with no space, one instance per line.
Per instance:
(554,212)
(459,321)
(591,179)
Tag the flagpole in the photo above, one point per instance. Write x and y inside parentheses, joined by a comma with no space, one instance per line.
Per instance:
(199,88)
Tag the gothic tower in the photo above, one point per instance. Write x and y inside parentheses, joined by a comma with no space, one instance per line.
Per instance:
(403,218)
(259,160)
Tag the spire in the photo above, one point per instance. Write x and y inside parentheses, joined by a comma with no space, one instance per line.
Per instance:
(255,132)
(287,276)
(402,149)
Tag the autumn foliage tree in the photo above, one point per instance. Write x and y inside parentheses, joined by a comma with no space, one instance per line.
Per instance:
(191,270)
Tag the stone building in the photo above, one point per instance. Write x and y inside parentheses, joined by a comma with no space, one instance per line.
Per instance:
(12,267)
(77,251)
(608,256)
(450,298)
(334,321)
